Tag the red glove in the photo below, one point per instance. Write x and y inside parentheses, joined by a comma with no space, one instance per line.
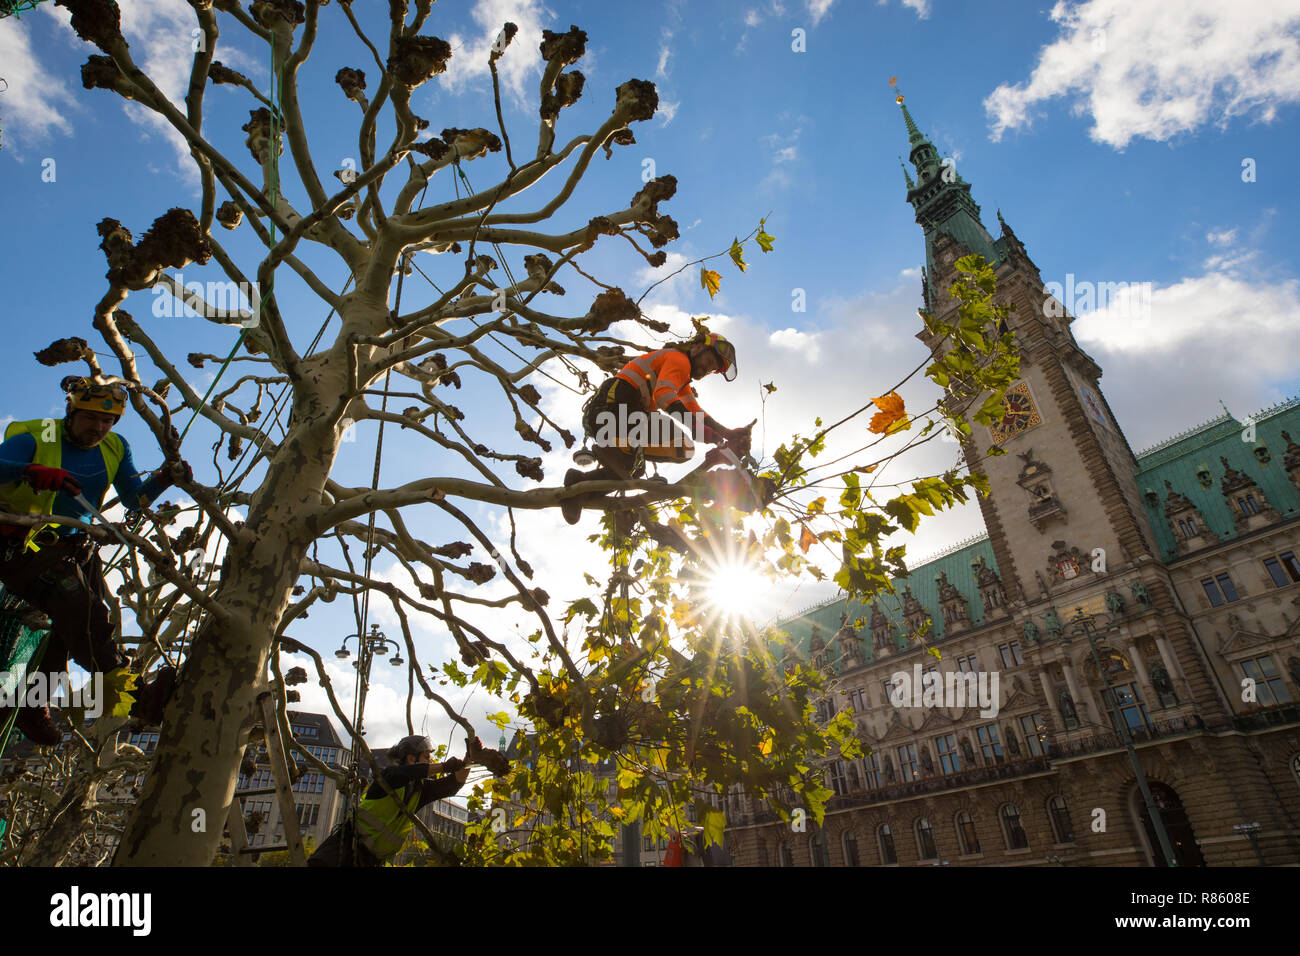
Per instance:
(45,478)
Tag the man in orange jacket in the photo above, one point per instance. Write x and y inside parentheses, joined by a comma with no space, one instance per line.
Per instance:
(621,411)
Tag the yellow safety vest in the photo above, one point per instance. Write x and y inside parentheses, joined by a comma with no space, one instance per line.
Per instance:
(382,826)
(21,498)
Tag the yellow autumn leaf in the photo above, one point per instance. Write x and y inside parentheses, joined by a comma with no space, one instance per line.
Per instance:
(892,416)
(763,239)
(738,255)
(765,748)
(710,281)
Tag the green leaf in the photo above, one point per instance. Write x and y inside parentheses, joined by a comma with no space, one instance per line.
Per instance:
(737,255)
(763,239)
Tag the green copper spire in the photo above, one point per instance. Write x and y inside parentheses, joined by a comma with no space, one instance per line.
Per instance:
(906,174)
(942,199)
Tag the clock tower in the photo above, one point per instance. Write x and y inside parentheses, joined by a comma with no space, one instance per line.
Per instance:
(1064,506)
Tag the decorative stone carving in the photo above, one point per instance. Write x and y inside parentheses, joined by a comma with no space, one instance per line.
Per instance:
(879,628)
(1066,563)
(1031,632)
(1114,603)
(1293,668)
(1052,623)
(1249,505)
(1140,594)
(952,605)
(850,647)
(913,611)
(1036,480)
(1291,459)
(1191,531)
(990,585)
(890,777)
(1163,686)
(927,762)
(967,751)
(1067,709)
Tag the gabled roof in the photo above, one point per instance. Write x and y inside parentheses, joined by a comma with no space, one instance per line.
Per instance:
(1178,459)
(957,562)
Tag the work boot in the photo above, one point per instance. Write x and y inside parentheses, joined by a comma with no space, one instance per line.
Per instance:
(571,508)
(153,697)
(36,725)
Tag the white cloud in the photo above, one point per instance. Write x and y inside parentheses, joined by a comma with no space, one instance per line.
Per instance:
(1233,331)
(818,9)
(667,110)
(803,344)
(665,54)
(1160,69)
(520,65)
(753,18)
(1224,237)
(36,104)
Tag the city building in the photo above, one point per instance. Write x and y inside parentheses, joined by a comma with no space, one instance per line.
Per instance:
(1153,596)
(316,796)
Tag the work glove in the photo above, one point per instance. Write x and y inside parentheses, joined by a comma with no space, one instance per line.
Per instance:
(451,765)
(45,478)
(165,473)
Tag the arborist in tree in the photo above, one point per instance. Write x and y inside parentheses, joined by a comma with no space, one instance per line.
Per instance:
(621,413)
(45,464)
(381,828)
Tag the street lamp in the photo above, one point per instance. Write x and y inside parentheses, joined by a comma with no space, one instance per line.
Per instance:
(368,645)
(1082,623)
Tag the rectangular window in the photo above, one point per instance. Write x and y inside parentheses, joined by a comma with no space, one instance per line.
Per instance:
(1011,655)
(858,700)
(1212,592)
(1274,568)
(871,765)
(1126,699)
(968,664)
(990,745)
(1182,526)
(907,764)
(1035,731)
(1289,562)
(946,746)
(1229,591)
(888,688)
(1270,689)
(1247,505)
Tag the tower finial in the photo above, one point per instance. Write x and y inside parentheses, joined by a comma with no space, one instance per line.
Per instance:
(906,174)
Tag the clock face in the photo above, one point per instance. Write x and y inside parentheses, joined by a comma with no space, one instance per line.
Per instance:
(1021,414)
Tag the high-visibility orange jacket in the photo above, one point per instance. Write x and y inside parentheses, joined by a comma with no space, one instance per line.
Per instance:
(662,378)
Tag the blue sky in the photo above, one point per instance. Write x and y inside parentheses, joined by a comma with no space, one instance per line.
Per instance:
(1111,135)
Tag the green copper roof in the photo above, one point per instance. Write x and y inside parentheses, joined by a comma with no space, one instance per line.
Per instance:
(1179,459)
(958,562)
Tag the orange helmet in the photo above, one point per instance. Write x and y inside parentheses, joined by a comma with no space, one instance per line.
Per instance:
(88,395)
(726,353)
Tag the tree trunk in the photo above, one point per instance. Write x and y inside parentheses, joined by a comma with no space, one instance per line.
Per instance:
(186,798)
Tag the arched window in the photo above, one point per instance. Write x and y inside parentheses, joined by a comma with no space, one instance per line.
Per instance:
(885,838)
(817,849)
(925,840)
(850,847)
(966,838)
(1012,831)
(1059,813)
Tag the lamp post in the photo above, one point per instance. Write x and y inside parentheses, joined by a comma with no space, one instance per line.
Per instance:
(368,646)
(1082,623)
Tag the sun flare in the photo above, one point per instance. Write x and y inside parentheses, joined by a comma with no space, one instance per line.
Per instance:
(735,589)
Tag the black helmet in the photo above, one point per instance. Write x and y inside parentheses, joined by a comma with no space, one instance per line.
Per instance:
(413,746)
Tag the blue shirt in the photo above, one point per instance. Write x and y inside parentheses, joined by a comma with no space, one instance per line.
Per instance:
(86,465)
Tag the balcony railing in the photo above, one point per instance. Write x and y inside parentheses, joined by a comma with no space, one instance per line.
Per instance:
(1111,740)
(1267,717)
